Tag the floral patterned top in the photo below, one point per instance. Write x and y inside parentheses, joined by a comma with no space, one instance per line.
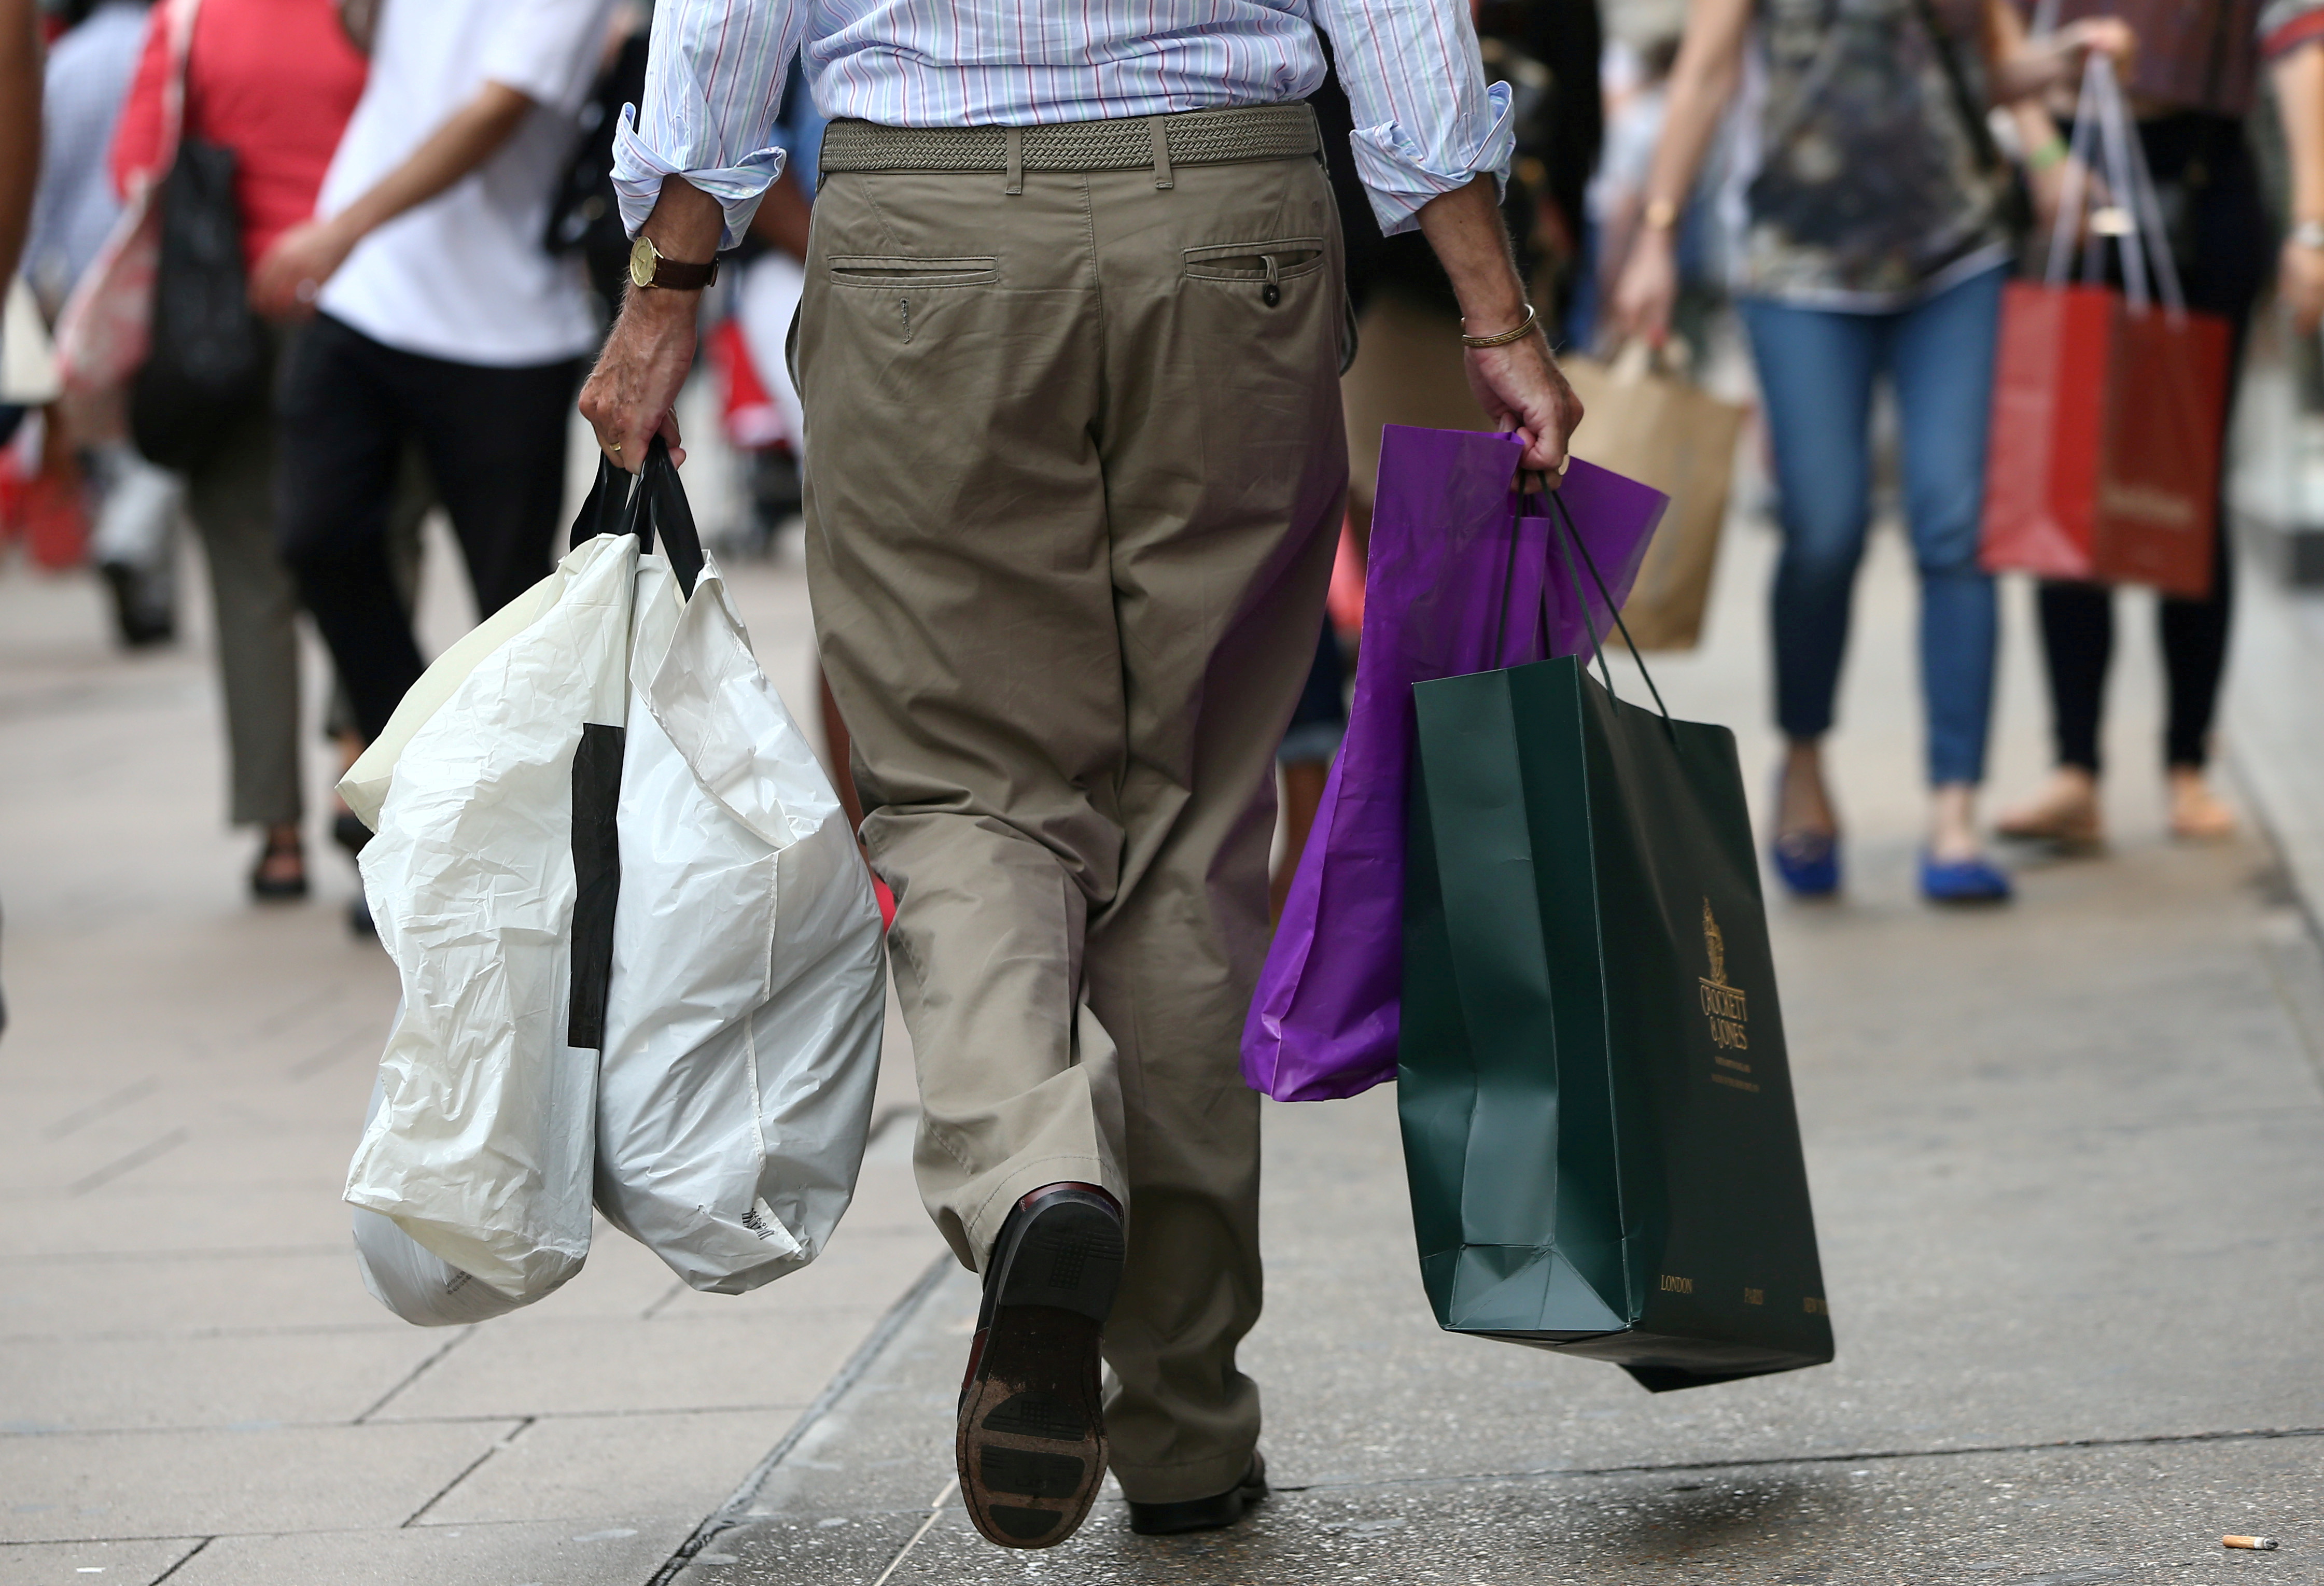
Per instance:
(1869,194)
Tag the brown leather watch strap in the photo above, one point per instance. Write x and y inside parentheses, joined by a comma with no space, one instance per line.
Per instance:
(648,267)
(676,276)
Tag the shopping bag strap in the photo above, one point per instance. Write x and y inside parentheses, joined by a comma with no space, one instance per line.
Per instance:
(1568,542)
(655,500)
(2103,128)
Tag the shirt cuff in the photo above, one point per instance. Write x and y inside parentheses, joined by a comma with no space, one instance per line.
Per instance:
(639,169)
(1399,175)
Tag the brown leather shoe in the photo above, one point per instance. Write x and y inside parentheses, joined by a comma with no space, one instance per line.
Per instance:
(1031,1443)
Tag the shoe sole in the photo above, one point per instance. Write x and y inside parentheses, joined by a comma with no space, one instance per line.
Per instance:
(1031,1446)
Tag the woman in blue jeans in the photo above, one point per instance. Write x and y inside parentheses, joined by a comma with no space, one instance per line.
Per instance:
(1876,247)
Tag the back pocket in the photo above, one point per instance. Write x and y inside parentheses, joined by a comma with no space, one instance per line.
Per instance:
(869,270)
(1267,264)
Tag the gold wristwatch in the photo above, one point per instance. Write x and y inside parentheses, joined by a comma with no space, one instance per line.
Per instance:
(649,267)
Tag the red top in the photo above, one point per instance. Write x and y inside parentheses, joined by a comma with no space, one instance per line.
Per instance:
(273,81)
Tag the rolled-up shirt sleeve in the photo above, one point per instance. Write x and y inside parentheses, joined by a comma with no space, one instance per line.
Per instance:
(1426,123)
(713,87)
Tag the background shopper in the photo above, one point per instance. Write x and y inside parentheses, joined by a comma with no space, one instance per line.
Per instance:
(1876,246)
(439,316)
(274,82)
(2192,84)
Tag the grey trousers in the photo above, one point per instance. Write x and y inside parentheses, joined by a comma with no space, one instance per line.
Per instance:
(230,497)
(1075,469)
(254,603)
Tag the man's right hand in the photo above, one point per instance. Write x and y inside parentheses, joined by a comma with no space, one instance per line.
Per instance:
(633,392)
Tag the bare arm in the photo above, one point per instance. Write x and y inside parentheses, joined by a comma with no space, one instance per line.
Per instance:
(1519,383)
(631,391)
(1702,80)
(295,268)
(20,127)
(2300,101)
(2019,68)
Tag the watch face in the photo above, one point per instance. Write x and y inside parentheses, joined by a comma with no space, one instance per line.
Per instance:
(642,260)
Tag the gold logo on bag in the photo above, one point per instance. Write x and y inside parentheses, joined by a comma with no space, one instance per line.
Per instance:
(1725,1006)
(1677,1284)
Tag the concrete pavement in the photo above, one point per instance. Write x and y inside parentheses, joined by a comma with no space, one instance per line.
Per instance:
(2066,1159)
(192,1379)
(2067,1167)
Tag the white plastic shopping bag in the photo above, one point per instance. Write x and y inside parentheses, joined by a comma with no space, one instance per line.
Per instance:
(492,793)
(599,828)
(413,1282)
(749,985)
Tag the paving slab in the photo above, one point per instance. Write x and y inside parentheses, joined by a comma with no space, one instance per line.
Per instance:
(90,1563)
(610,1553)
(67,1485)
(585,1468)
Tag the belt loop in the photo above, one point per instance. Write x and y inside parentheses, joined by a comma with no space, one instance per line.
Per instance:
(1014,137)
(1157,137)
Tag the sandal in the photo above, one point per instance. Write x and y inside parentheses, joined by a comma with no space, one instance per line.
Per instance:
(274,882)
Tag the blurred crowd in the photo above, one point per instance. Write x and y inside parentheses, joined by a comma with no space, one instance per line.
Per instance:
(295,274)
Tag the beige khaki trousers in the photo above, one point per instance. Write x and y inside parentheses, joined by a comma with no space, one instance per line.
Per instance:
(1072,488)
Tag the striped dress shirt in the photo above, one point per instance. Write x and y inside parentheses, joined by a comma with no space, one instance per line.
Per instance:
(1426,123)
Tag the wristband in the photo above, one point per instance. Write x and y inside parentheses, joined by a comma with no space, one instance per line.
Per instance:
(2049,155)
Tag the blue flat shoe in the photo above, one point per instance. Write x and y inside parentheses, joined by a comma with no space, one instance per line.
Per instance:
(1963,880)
(1809,863)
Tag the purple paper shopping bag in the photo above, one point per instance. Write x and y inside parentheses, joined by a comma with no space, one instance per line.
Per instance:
(1455,585)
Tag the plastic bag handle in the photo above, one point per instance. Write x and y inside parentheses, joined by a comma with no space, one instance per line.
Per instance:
(655,500)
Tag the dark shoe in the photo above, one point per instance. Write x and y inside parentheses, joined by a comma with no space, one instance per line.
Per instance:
(142,616)
(272,880)
(359,921)
(1031,1444)
(1203,1514)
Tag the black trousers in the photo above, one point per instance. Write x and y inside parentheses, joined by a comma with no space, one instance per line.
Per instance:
(493,440)
(2223,247)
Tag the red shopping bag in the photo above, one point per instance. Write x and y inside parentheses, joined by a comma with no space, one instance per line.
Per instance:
(2103,462)
(2158,493)
(2109,408)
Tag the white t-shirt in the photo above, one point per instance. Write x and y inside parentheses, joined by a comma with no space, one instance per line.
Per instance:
(464,276)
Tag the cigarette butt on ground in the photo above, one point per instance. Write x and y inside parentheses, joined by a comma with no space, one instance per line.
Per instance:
(2256,1544)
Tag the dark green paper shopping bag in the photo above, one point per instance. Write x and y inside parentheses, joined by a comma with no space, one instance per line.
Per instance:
(1597,1116)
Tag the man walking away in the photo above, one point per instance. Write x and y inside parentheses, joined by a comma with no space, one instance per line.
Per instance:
(440,317)
(1069,353)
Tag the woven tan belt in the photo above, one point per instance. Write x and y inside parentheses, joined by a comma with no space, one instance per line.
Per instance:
(1196,137)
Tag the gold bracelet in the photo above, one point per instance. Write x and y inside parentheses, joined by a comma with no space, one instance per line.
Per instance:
(1506,336)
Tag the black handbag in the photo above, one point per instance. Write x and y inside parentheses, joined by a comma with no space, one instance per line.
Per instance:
(208,362)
